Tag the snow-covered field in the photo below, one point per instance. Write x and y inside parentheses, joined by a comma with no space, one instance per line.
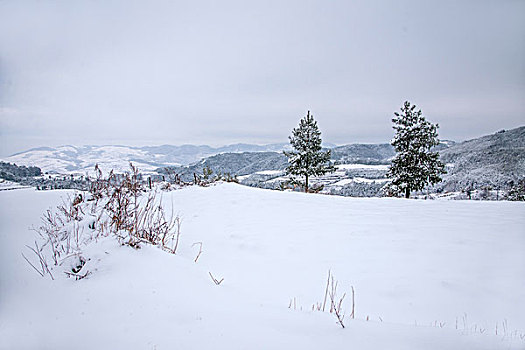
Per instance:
(361,166)
(426,274)
(6,185)
(363,173)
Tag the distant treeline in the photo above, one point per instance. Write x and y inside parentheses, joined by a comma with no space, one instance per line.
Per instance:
(13,172)
(32,176)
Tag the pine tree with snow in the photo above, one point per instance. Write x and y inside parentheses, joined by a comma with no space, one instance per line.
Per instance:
(415,165)
(307,159)
(517,191)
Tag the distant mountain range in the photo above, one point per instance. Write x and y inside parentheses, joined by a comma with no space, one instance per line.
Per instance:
(79,159)
(493,161)
(75,159)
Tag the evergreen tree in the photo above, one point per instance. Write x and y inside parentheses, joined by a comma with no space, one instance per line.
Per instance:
(415,165)
(306,159)
(517,191)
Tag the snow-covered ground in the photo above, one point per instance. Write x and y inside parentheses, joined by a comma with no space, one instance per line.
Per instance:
(6,185)
(362,166)
(336,180)
(426,274)
(359,179)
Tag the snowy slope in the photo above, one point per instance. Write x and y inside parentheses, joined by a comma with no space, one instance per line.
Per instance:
(493,160)
(427,275)
(68,159)
(79,159)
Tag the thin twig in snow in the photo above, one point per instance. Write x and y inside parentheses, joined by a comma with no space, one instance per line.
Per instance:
(215,280)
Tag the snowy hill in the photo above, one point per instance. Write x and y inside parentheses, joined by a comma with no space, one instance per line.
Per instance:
(426,275)
(494,160)
(363,153)
(73,159)
(233,163)
(380,153)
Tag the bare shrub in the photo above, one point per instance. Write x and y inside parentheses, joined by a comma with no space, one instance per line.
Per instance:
(98,186)
(154,226)
(58,236)
(71,208)
(59,239)
(118,202)
(117,205)
(135,219)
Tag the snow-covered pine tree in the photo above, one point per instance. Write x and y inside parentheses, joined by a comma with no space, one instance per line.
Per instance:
(517,191)
(306,159)
(415,165)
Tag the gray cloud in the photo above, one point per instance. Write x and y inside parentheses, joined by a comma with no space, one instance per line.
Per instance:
(157,72)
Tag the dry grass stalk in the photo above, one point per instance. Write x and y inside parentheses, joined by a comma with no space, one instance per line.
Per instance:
(200,250)
(326,290)
(335,303)
(352,315)
(215,280)
(44,268)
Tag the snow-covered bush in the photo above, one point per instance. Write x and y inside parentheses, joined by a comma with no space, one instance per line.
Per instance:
(117,206)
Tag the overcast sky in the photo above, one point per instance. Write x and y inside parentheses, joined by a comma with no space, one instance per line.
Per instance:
(221,72)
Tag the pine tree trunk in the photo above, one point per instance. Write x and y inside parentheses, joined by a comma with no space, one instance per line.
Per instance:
(407,192)
(306,185)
